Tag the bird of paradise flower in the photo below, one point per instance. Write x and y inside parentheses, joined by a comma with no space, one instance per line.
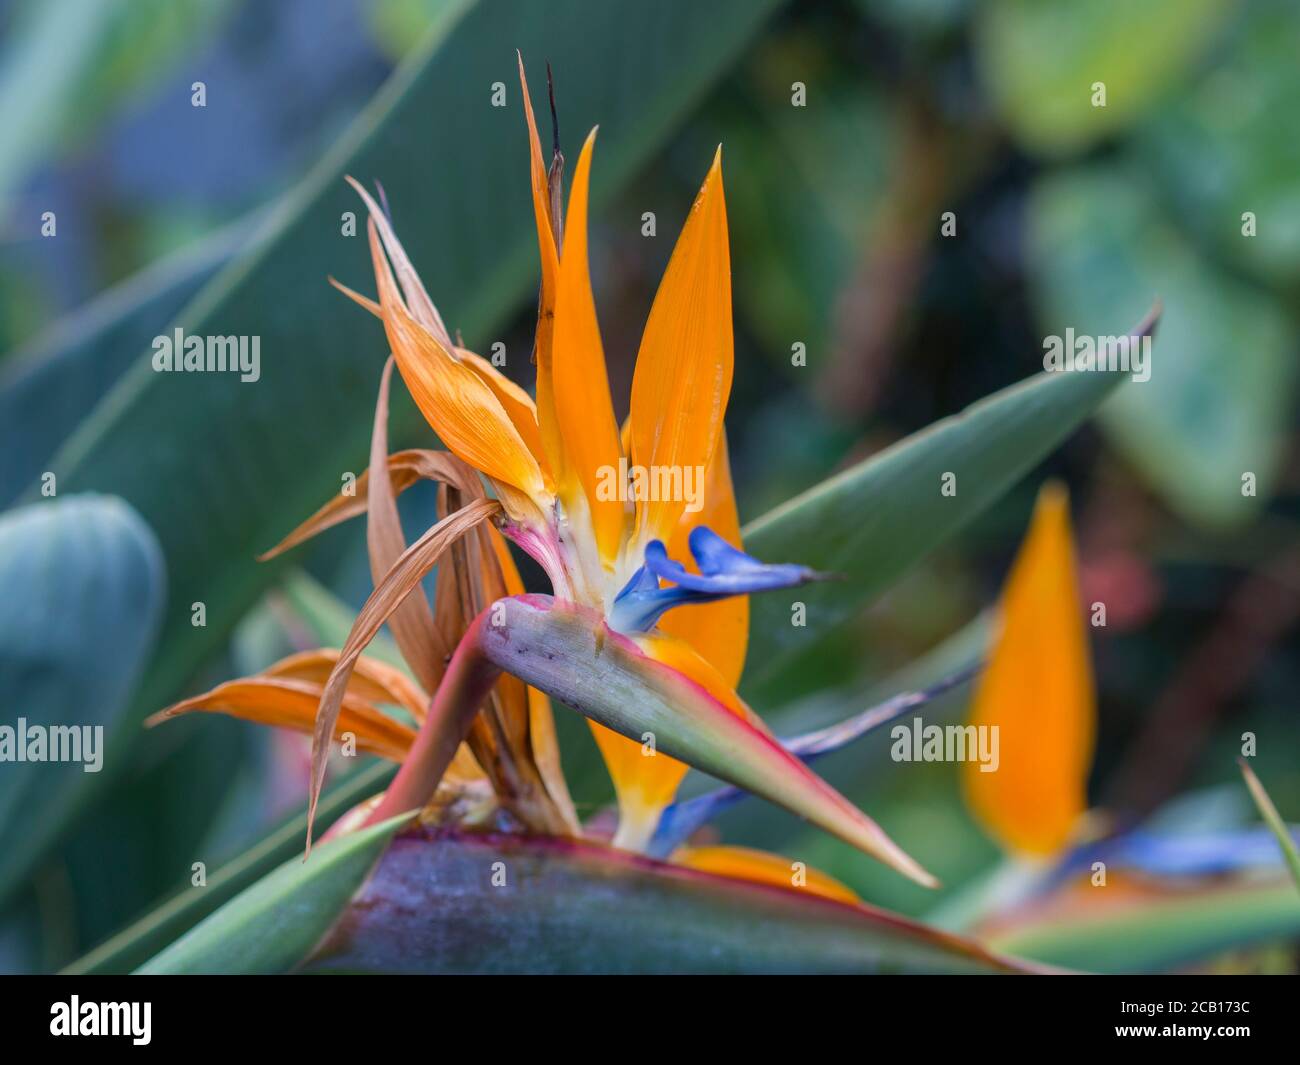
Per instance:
(612,628)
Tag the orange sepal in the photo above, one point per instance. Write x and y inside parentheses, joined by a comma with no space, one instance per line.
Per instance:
(458,403)
(719,631)
(1037,690)
(579,380)
(683,369)
(763,867)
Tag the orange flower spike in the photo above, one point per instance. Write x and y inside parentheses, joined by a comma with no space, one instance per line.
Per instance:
(1037,690)
(579,380)
(719,631)
(517,403)
(684,367)
(547,421)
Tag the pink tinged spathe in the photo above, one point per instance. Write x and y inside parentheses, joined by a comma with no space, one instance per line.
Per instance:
(570,653)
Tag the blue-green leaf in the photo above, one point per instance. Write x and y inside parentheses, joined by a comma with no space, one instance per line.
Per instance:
(83,583)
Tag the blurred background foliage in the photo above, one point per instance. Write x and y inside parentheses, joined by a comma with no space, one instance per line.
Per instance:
(1066,213)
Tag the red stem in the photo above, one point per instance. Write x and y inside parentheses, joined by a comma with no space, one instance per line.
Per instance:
(467,682)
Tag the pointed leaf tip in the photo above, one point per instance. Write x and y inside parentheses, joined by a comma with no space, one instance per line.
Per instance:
(570,654)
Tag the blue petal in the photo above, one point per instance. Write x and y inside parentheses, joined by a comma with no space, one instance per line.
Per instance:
(1181,854)
(724,572)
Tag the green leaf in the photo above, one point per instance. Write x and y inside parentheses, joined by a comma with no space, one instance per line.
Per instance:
(1156,933)
(70,62)
(1040,60)
(83,584)
(330,619)
(874,521)
(1231,145)
(140,941)
(1274,821)
(232,466)
(509,904)
(272,925)
(1221,384)
(48,387)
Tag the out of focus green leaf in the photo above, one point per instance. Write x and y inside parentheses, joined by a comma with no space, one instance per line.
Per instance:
(68,62)
(1274,821)
(1223,374)
(1230,146)
(48,386)
(330,619)
(272,925)
(920,805)
(872,522)
(140,941)
(83,590)
(813,181)
(574,907)
(231,466)
(1040,61)
(1157,932)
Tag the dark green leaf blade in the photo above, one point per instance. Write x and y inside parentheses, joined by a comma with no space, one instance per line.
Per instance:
(83,583)
(573,907)
(48,386)
(874,521)
(1161,931)
(164,924)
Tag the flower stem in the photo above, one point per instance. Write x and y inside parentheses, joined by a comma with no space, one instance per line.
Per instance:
(467,682)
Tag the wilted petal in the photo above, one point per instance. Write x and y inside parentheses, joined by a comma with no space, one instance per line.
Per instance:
(405,468)
(400,581)
(517,403)
(412,622)
(371,679)
(286,703)
(548,423)
(417,299)
(457,402)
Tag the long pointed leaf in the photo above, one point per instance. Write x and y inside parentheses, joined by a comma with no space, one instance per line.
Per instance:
(1159,931)
(874,521)
(509,904)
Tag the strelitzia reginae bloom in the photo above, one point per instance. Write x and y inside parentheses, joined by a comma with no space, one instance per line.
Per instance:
(646,627)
